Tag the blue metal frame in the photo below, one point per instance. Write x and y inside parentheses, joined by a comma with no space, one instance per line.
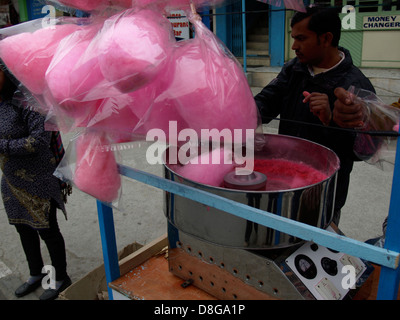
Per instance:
(392,239)
(277,35)
(386,257)
(109,244)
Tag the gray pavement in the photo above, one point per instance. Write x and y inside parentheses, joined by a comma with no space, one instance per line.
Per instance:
(142,220)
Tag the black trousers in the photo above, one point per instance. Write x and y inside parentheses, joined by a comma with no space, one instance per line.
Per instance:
(55,245)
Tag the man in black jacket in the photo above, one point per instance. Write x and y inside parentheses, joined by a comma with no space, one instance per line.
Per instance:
(309,92)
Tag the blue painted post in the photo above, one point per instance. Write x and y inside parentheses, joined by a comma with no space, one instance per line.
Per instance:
(389,278)
(223,26)
(205,17)
(277,35)
(108,242)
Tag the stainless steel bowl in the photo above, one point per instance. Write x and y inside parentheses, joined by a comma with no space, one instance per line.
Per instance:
(311,204)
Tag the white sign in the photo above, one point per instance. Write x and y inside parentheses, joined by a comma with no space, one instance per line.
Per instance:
(180,24)
(381,22)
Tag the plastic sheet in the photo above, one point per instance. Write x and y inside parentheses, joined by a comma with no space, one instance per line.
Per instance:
(379,118)
(91,165)
(28,55)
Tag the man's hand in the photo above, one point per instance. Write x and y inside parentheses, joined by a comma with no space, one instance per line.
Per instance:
(319,106)
(347,113)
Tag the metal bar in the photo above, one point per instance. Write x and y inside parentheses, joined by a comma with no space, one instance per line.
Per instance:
(325,238)
(108,242)
(244,36)
(389,279)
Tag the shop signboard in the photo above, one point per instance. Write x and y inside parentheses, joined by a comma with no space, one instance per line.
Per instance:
(381,22)
(180,24)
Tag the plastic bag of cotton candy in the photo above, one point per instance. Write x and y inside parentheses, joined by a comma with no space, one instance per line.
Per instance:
(95,70)
(90,163)
(96,76)
(375,140)
(112,83)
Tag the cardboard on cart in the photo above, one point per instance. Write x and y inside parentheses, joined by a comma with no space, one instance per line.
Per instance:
(145,276)
(93,286)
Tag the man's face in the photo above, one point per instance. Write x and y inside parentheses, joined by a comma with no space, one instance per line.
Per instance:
(307,45)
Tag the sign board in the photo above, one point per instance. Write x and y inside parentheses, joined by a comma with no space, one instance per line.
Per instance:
(34,8)
(180,24)
(381,22)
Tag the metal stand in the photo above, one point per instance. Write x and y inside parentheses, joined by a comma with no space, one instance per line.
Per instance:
(387,257)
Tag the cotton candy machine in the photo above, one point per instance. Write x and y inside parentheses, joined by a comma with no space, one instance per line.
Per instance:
(233,258)
(300,180)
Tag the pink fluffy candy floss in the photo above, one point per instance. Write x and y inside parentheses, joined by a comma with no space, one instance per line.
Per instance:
(28,55)
(96,170)
(209,87)
(133,47)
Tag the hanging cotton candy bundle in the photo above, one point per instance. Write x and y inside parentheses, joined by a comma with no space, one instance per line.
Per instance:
(96,170)
(69,78)
(134,46)
(115,117)
(209,86)
(28,55)
(154,109)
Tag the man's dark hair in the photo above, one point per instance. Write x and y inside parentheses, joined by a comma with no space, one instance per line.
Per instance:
(322,20)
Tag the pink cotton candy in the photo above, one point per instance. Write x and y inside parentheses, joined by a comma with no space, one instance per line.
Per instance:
(209,168)
(28,55)
(125,3)
(209,87)
(59,84)
(96,170)
(154,109)
(115,117)
(72,75)
(134,47)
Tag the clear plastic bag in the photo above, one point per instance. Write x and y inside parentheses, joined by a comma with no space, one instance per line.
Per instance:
(380,120)
(90,163)
(28,54)
(208,85)
(194,85)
